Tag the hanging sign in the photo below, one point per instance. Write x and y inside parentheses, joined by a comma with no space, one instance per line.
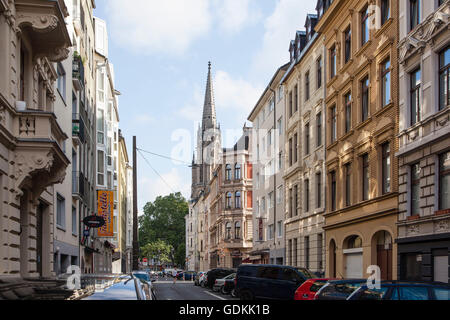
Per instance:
(105,208)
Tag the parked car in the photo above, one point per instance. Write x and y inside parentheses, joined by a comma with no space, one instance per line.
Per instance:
(229,287)
(219,284)
(148,278)
(403,290)
(124,288)
(309,288)
(217,274)
(198,277)
(269,281)
(339,289)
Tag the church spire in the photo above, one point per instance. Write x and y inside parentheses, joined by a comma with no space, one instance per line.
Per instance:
(209,108)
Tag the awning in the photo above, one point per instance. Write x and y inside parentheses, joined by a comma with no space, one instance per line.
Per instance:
(254,258)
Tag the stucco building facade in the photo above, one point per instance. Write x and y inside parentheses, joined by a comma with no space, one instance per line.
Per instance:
(360,39)
(424,142)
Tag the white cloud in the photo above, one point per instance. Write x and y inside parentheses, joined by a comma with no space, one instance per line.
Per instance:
(150,188)
(233,15)
(158,26)
(280,28)
(235,94)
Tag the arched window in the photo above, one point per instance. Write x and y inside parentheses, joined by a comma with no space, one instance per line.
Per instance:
(237,171)
(228,200)
(228,230)
(238,200)
(228,172)
(237,230)
(354,242)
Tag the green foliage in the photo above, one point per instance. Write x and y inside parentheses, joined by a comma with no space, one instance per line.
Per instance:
(158,250)
(164,219)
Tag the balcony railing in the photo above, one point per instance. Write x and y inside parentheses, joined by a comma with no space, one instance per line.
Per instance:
(78,72)
(78,127)
(78,184)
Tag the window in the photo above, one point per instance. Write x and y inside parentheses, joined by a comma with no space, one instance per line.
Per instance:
(280,93)
(333,124)
(307,86)
(280,229)
(415,190)
(237,171)
(296,99)
(271,104)
(318,190)
(319,129)
(307,137)
(228,231)
(270,232)
(290,104)
(348,183)
(386,168)
(333,62)
(228,172)
(295,252)
(291,208)
(385,11)
(228,200)
(101,85)
(319,251)
(319,72)
(414,13)
(61,80)
(263,205)
(295,200)
(295,147)
(306,195)
(444,181)
(348,44)
(306,252)
(280,162)
(333,190)
(280,126)
(364,26)
(415,109)
(279,194)
(348,112)
(237,230)
(100,126)
(365,99)
(365,177)
(100,168)
(444,78)
(386,82)
(271,200)
(60,211)
(290,152)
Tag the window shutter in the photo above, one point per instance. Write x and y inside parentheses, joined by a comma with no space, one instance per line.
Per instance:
(249,199)
(249,171)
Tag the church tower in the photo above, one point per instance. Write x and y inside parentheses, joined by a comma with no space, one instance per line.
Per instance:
(208,142)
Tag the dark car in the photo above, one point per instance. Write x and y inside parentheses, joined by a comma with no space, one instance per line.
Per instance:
(309,288)
(217,273)
(339,289)
(124,288)
(401,290)
(269,281)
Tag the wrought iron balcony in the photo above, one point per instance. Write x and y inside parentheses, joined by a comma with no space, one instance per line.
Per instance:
(78,128)
(77,72)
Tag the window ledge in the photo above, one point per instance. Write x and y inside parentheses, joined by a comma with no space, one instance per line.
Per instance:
(60,228)
(362,124)
(363,48)
(383,109)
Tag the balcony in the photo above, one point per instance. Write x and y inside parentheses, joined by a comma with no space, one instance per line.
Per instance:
(78,129)
(77,72)
(78,185)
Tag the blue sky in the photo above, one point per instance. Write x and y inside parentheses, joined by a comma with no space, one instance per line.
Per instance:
(160,52)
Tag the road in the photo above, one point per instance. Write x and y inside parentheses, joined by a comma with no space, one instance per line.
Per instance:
(185,290)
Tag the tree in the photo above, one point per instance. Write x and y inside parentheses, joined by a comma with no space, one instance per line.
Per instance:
(164,219)
(158,250)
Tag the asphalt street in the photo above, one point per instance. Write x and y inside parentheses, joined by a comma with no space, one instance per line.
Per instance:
(185,290)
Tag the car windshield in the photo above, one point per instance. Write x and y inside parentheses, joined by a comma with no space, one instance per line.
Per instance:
(142,276)
(317,285)
(124,289)
(348,287)
(231,276)
(305,273)
(373,294)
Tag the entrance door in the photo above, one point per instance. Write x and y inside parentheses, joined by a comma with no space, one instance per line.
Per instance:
(39,233)
(384,260)
(353,265)
(441,269)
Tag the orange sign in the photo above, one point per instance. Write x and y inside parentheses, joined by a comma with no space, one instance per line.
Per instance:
(105,207)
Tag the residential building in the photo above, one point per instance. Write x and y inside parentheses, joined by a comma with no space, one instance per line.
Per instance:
(304,170)
(129,228)
(424,141)
(268,118)
(123,195)
(360,39)
(33,40)
(107,138)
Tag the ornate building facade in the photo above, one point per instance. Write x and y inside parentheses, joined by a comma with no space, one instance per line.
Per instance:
(424,141)
(360,39)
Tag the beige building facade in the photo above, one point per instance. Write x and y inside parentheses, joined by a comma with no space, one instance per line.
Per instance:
(360,39)
(268,118)
(33,38)
(424,142)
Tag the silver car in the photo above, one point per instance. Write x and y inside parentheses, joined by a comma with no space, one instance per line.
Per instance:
(219,284)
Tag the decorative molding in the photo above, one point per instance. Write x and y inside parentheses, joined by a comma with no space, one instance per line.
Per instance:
(442,226)
(43,23)
(2,115)
(413,229)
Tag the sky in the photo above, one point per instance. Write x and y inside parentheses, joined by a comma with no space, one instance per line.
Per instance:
(160,52)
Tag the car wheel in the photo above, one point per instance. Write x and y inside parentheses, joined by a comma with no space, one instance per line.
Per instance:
(223,291)
(246,295)
(202,284)
(233,293)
